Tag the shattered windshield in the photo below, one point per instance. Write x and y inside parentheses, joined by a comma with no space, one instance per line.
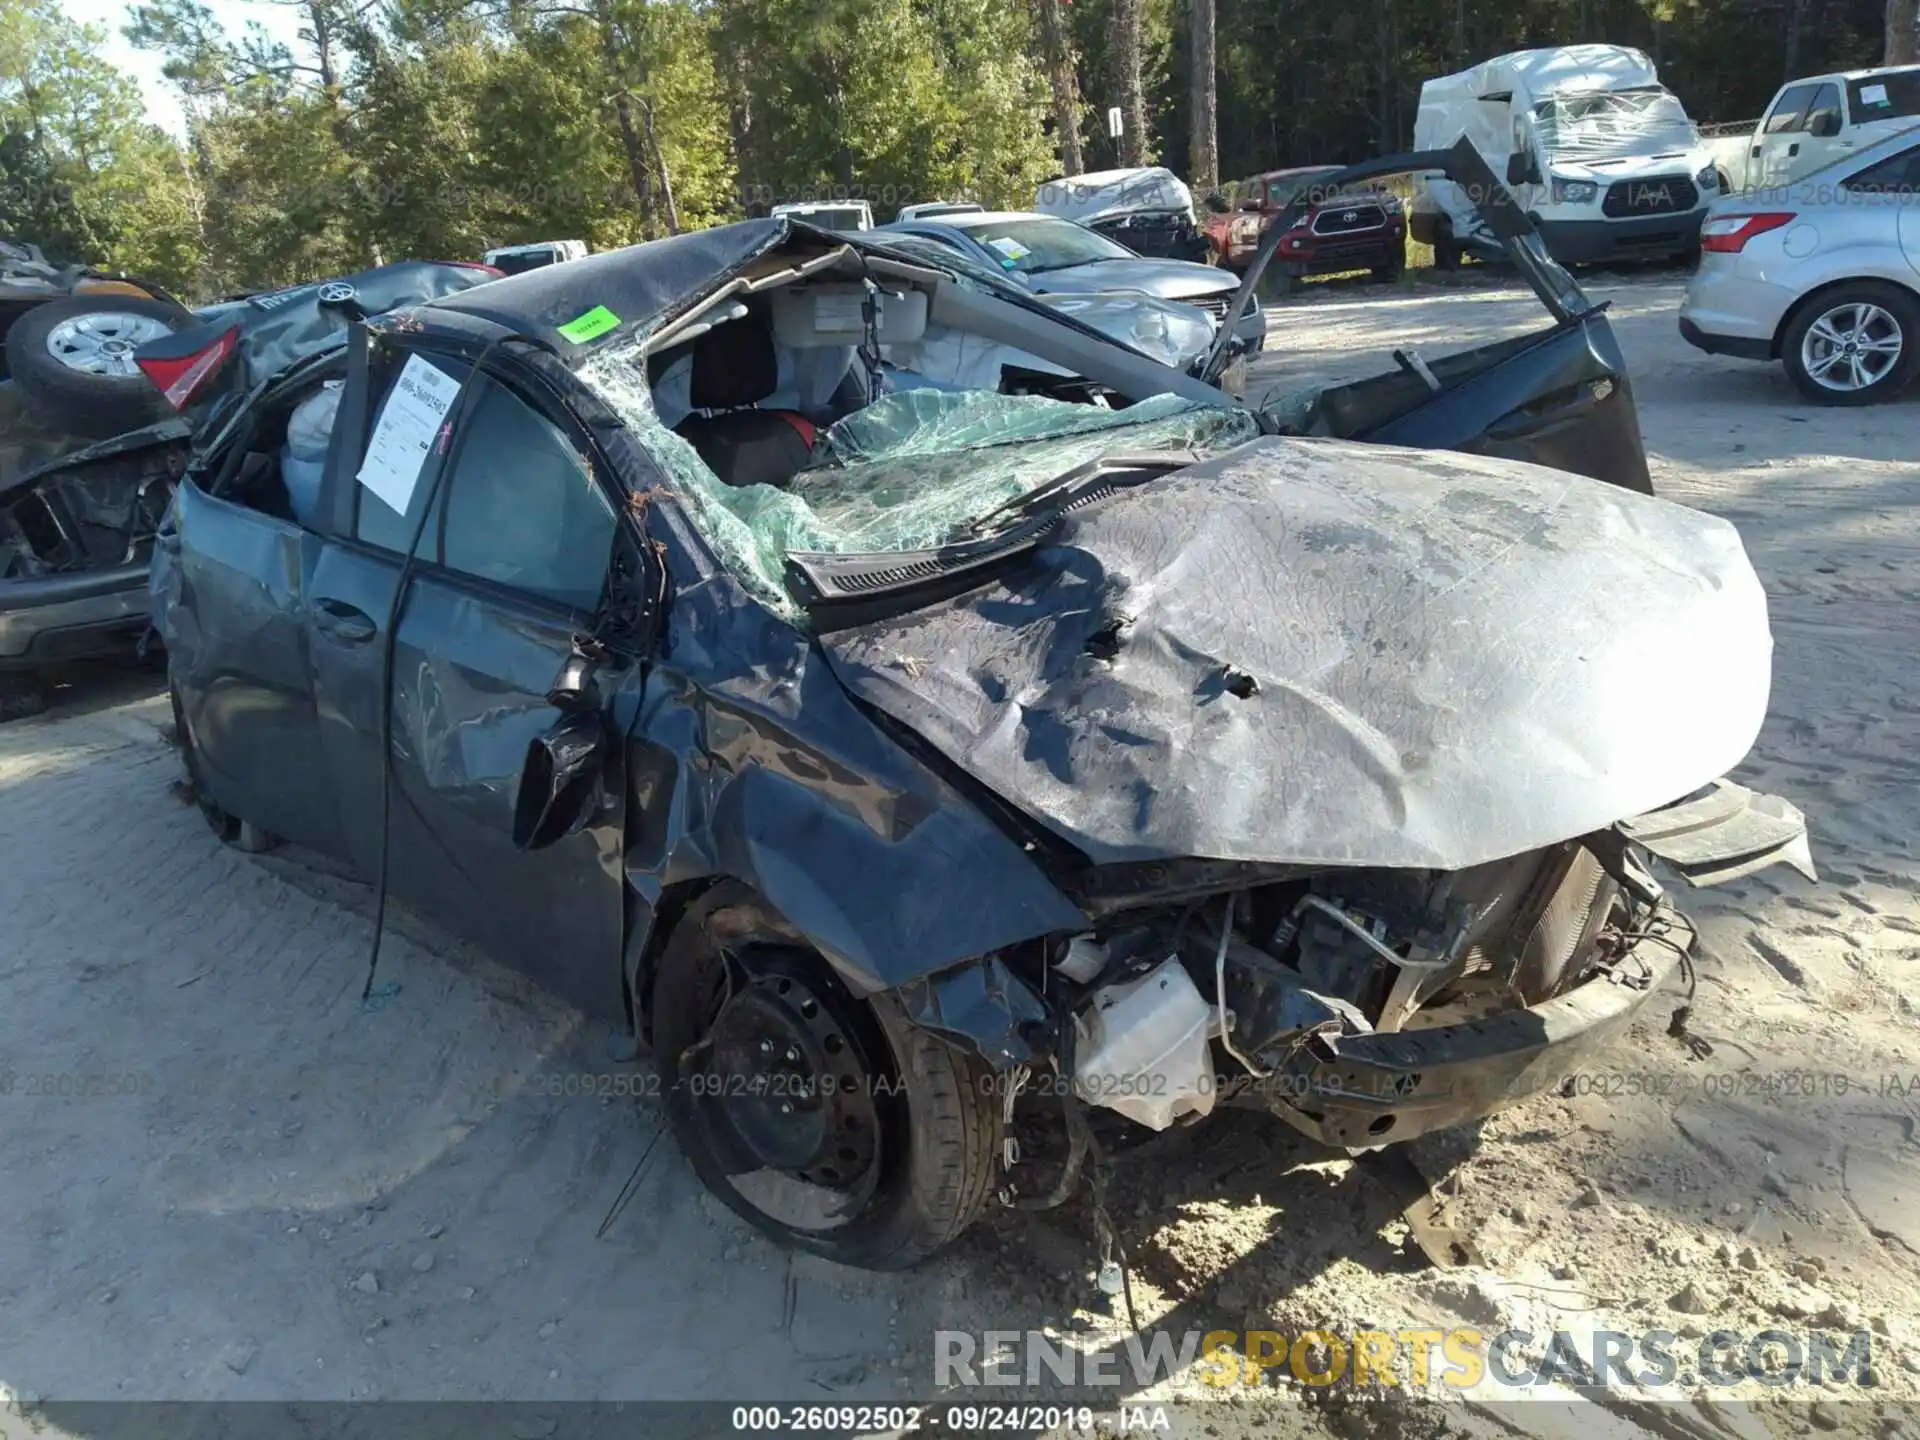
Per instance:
(907,472)
(1613,124)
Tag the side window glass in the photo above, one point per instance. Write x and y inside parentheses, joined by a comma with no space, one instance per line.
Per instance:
(522,507)
(1790,111)
(1896,175)
(1825,103)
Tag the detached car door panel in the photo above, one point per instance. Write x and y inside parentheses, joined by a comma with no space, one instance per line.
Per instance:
(1559,399)
(1556,397)
(510,564)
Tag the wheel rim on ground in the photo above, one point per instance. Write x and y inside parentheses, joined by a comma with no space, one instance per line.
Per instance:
(786,1092)
(1851,347)
(103,341)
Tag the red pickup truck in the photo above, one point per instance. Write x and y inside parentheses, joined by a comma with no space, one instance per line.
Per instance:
(1352,230)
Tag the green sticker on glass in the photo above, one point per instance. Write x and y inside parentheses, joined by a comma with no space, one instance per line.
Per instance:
(590,326)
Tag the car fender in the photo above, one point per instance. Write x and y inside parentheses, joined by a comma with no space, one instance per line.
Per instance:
(749,761)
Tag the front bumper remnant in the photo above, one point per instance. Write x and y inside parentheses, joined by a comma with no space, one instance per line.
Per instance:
(1364,1090)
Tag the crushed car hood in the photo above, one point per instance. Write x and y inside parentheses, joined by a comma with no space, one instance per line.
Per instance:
(1317,652)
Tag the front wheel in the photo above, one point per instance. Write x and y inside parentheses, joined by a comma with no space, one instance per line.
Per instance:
(1856,344)
(1446,250)
(824,1120)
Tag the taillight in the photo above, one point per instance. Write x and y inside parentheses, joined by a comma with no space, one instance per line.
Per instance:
(1729,234)
(180,379)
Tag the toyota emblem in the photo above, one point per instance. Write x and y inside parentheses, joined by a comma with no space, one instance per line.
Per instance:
(1350,216)
(336,292)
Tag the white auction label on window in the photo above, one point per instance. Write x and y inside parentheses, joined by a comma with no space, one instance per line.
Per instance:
(403,439)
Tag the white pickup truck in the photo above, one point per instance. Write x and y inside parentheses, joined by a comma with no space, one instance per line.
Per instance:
(1815,121)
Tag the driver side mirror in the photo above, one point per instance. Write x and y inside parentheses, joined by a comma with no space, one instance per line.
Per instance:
(1217,203)
(560,781)
(1521,169)
(1824,124)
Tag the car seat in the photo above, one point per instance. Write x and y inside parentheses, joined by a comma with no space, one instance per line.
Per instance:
(735,368)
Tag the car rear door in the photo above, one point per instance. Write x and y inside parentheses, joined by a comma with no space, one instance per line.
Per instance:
(509,570)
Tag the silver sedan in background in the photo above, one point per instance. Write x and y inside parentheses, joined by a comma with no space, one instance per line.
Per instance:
(1822,275)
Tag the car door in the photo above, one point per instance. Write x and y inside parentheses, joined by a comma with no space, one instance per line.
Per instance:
(1777,145)
(1558,396)
(510,567)
(234,595)
(1894,187)
(1823,137)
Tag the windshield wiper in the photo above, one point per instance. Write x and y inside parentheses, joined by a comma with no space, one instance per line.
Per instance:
(839,590)
(1081,486)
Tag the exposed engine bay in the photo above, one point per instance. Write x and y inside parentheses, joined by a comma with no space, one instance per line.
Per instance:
(1368,1006)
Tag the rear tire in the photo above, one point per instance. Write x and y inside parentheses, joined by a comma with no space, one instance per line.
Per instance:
(1446,250)
(933,1115)
(1882,320)
(76,400)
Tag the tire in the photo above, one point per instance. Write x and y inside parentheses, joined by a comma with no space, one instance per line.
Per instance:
(1882,318)
(96,329)
(1446,251)
(932,1108)
(21,697)
(1392,270)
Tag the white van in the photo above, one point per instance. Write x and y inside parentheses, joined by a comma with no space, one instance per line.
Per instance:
(1818,120)
(1592,145)
(517,259)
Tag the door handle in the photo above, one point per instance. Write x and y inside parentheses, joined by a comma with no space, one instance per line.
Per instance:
(1794,149)
(1755,152)
(338,620)
(1584,399)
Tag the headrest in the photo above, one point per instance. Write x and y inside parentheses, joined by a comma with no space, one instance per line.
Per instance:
(734,365)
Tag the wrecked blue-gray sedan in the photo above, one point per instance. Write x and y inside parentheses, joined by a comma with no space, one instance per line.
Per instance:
(918,716)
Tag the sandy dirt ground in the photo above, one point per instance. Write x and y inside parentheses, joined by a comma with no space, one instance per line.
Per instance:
(224,1178)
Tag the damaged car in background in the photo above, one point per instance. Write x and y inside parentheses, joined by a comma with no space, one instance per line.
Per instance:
(736,633)
(77,523)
